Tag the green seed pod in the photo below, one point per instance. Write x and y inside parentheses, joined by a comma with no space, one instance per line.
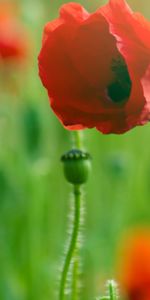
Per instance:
(77,165)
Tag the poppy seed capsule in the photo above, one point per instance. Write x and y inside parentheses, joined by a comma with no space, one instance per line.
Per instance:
(77,165)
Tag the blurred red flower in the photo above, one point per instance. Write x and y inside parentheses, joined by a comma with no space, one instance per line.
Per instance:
(96,67)
(134,270)
(13,38)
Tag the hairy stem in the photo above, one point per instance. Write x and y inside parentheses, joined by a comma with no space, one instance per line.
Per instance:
(75,273)
(112,290)
(73,242)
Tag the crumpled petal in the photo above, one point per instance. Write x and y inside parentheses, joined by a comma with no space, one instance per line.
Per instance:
(76,67)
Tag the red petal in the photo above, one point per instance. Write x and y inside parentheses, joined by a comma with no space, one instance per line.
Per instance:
(50,27)
(69,13)
(123,25)
(74,115)
(60,76)
(92,51)
(73,12)
(131,32)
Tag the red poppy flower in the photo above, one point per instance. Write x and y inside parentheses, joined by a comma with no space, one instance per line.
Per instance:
(13,39)
(134,273)
(96,67)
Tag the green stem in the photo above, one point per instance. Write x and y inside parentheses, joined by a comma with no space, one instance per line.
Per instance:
(73,242)
(112,290)
(75,275)
(77,139)
(78,144)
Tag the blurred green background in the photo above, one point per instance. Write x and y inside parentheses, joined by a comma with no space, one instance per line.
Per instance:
(34,196)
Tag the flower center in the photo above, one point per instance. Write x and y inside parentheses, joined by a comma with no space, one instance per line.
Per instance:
(119,90)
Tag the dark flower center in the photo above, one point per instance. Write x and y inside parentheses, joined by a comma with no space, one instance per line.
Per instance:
(119,90)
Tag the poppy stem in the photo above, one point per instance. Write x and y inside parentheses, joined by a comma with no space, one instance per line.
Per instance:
(71,263)
(112,288)
(112,292)
(78,139)
(75,275)
(70,256)
(76,170)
